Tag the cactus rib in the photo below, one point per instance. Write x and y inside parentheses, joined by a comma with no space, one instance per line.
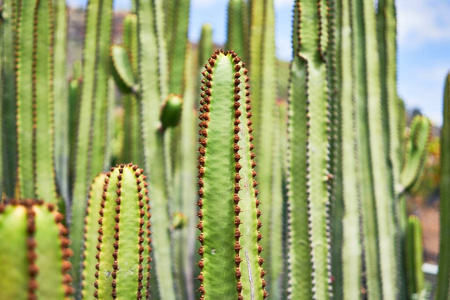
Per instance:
(230,263)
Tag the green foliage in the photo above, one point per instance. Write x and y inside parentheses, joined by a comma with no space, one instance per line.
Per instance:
(33,252)
(230,264)
(171,111)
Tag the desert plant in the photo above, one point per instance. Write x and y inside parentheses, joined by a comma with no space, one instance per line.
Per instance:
(33,252)
(117,236)
(231,263)
(443,289)
(414,257)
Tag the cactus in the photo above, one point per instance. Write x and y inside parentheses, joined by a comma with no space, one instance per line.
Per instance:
(205,48)
(91,133)
(9,136)
(263,74)
(414,257)
(151,63)
(415,151)
(443,289)
(230,264)
(34,100)
(117,236)
(237,35)
(351,243)
(177,43)
(60,94)
(308,195)
(33,252)
(383,192)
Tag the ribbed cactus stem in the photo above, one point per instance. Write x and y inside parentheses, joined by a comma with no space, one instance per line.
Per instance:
(351,242)
(91,132)
(34,77)
(33,252)
(60,93)
(379,165)
(150,62)
(237,29)
(308,175)
(117,236)
(366,186)
(443,290)
(414,257)
(8,98)
(230,264)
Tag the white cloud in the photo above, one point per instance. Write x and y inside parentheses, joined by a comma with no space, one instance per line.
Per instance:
(422,21)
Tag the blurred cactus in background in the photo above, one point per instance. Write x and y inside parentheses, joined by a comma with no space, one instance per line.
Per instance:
(312,186)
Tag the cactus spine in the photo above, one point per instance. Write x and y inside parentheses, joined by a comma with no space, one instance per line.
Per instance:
(33,252)
(118,264)
(230,264)
(91,141)
(308,196)
(443,290)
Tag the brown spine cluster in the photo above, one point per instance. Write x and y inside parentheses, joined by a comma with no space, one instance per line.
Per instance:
(33,269)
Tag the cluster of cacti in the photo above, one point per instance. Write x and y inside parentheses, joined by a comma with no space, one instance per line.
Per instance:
(333,164)
(33,252)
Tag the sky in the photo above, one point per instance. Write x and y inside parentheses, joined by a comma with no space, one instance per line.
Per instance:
(423,44)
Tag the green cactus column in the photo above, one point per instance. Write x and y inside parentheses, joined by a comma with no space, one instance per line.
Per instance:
(205,48)
(117,236)
(237,29)
(91,132)
(34,101)
(351,242)
(152,92)
(383,193)
(414,257)
(33,252)
(308,195)
(8,134)
(366,186)
(61,106)
(263,74)
(229,215)
(443,290)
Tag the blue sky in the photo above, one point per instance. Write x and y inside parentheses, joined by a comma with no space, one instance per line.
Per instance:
(423,44)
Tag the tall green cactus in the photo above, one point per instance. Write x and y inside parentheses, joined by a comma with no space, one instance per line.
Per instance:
(34,77)
(383,193)
(414,257)
(237,35)
(91,133)
(351,242)
(60,94)
(33,252)
(443,289)
(9,141)
(263,74)
(308,196)
(230,264)
(205,48)
(152,66)
(117,236)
